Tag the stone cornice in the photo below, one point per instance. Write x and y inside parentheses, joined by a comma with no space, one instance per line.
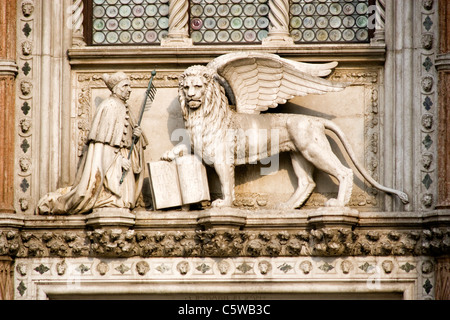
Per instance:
(245,220)
(148,55)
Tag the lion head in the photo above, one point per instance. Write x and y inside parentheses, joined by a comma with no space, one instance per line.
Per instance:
(199,90)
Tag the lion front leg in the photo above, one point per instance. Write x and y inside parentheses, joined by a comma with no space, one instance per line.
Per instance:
(177,152)
(226,177)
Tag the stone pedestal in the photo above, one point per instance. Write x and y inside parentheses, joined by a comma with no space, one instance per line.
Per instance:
(333,217)
(223,219)
(110,217)
(278,39)
(174,40)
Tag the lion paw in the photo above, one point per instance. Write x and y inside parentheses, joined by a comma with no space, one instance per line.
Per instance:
(334,203)
(219,203)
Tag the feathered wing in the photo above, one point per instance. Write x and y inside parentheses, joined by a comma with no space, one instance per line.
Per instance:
(261,81)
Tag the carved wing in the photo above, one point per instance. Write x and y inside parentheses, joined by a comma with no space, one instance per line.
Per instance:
(260,81)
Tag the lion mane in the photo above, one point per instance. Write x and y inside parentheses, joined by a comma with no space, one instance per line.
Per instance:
(206,124)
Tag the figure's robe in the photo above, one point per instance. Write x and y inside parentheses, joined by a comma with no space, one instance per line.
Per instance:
(97,182)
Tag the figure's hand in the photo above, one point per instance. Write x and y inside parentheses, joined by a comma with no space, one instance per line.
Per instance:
(137,132)
(126,164)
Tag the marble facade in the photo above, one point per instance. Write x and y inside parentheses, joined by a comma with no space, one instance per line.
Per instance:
(395,111)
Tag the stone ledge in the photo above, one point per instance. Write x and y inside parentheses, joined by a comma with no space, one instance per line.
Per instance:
(147,55)
(333,217)
(254,219)
(11,220)
(223,219)
(110,217)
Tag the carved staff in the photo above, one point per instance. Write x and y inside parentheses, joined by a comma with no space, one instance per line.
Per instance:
(150,93)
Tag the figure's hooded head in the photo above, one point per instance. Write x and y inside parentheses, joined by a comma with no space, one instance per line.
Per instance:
(114,79)
(119,84)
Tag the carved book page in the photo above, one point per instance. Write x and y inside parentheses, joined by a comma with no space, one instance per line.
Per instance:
(164,185)
(178,183)
(192,179)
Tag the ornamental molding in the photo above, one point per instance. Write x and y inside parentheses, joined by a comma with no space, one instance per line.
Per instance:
(26,93)
(45,278)
(302,242)
(428,93)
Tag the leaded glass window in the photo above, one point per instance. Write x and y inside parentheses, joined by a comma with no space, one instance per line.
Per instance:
(129,22)
(138,22)
(228,21)
(329,21)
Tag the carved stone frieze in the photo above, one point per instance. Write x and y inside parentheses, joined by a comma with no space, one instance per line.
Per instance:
(412,275)
(25,97)
(428,75)
(212,243)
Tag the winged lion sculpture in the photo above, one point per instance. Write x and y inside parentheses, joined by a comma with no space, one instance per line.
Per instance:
(222,105)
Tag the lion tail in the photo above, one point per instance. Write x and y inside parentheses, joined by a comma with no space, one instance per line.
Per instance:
(340,134)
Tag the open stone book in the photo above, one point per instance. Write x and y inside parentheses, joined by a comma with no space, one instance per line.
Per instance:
(178,183)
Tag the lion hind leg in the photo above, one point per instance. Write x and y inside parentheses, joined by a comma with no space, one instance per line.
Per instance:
(303,170)
(310,139)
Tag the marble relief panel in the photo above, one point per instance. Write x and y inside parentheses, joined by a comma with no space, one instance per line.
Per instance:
(355,110)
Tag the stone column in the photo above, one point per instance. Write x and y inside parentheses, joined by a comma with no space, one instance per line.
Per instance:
(279,24)
(442,290)
(6,274)
(8,72)
(443,67)
(75,22)
(178,24)
(380,20)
